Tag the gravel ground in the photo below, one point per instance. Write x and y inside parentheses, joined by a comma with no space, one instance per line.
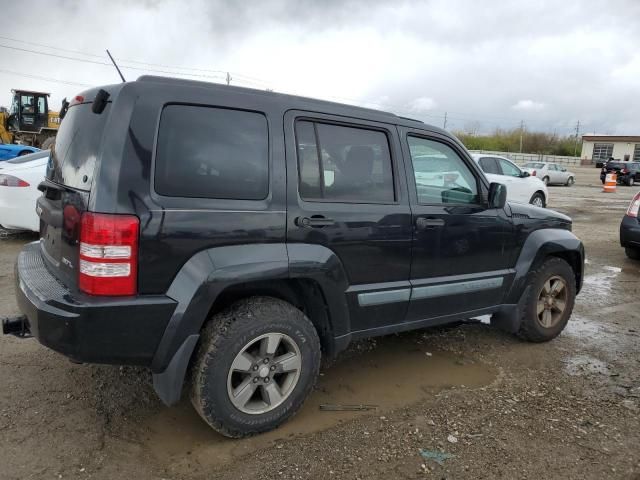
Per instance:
(503,408)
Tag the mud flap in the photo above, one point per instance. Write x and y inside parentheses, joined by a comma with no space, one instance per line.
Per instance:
(508,317)
(168,384)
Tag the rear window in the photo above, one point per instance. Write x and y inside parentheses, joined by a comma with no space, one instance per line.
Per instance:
(73,157)
(210,152)
(617,165)
(534,165)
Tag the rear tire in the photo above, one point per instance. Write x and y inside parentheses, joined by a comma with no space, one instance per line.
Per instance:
(630,182)
(241,384)
(538,200)
(550,298)
(632,253)
(545,180)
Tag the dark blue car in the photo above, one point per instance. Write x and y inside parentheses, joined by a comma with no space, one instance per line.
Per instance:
(9,151)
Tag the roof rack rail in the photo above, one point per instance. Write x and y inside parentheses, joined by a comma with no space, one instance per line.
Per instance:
(409,118)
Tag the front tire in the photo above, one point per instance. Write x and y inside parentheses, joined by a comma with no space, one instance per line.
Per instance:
(23,153)
(570,181)
(538,200)
(549,301)
(256,363)
(632,253)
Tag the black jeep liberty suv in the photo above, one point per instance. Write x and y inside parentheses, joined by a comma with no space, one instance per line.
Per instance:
(226,238)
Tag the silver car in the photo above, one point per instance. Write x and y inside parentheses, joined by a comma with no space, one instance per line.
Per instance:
(550,173)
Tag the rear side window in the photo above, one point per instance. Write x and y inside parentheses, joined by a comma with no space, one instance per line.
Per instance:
(489,165)
(212,153)
(343,164)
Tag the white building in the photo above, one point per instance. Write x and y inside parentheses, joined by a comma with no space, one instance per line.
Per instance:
(603,147)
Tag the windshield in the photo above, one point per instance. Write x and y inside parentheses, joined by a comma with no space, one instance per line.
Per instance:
(73,157)
(533,165)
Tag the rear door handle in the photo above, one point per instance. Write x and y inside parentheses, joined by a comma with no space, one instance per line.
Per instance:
(313,222)
(424,223)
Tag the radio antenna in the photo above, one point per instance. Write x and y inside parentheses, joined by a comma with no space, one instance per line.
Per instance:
(116,65)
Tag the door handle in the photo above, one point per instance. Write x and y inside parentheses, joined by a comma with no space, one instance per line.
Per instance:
(424,223)
(313,222)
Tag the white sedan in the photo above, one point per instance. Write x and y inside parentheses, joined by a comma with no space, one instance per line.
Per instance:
(550,173)
(521,186)
(19,179)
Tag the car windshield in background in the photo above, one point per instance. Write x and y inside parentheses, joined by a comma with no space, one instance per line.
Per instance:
(431,163)
(533,165)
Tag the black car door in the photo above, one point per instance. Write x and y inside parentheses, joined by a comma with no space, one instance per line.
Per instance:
(346,196)
(462,250)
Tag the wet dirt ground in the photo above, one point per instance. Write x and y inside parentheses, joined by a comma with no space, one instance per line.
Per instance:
(503,408)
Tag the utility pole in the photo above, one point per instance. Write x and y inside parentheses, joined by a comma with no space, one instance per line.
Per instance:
(521,133)
(444,126)
(575,148)
(229,78)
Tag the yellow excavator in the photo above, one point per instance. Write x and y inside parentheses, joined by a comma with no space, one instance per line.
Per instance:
(29,120)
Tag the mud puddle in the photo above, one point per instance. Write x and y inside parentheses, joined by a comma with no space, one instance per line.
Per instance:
(397,372)
(586,364)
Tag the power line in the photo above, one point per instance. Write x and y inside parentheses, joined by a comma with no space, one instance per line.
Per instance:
(46,79)
(95,62)
(123,60)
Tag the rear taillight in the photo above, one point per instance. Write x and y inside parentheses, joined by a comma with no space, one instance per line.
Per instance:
(11,181)
(632,211)
(624,171)
(108,254)
(533,174)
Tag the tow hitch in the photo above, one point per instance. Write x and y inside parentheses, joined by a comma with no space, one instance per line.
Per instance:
(16,325)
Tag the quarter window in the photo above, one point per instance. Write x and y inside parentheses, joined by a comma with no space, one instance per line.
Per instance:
(440,174)
(212,153)
(489,165)
(343,164)
(636,153)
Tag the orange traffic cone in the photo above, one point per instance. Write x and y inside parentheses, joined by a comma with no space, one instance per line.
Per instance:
(610,182)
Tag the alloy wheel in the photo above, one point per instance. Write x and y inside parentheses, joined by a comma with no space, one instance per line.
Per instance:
(552,301)
(264,373)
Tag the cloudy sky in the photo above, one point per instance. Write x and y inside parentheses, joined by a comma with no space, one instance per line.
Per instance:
(487,64)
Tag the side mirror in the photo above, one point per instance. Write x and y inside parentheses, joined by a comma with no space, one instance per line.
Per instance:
(497,195)
(563,169)
(525,174)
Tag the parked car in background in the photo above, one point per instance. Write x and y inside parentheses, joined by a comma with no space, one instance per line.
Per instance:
(550,173)
(630,229)
(19,179)
(9,151)
(522,187)
(627,173)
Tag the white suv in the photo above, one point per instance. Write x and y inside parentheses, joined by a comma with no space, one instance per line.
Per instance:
(521,186)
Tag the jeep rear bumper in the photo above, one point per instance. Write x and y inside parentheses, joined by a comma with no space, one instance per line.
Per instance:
(123,330)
